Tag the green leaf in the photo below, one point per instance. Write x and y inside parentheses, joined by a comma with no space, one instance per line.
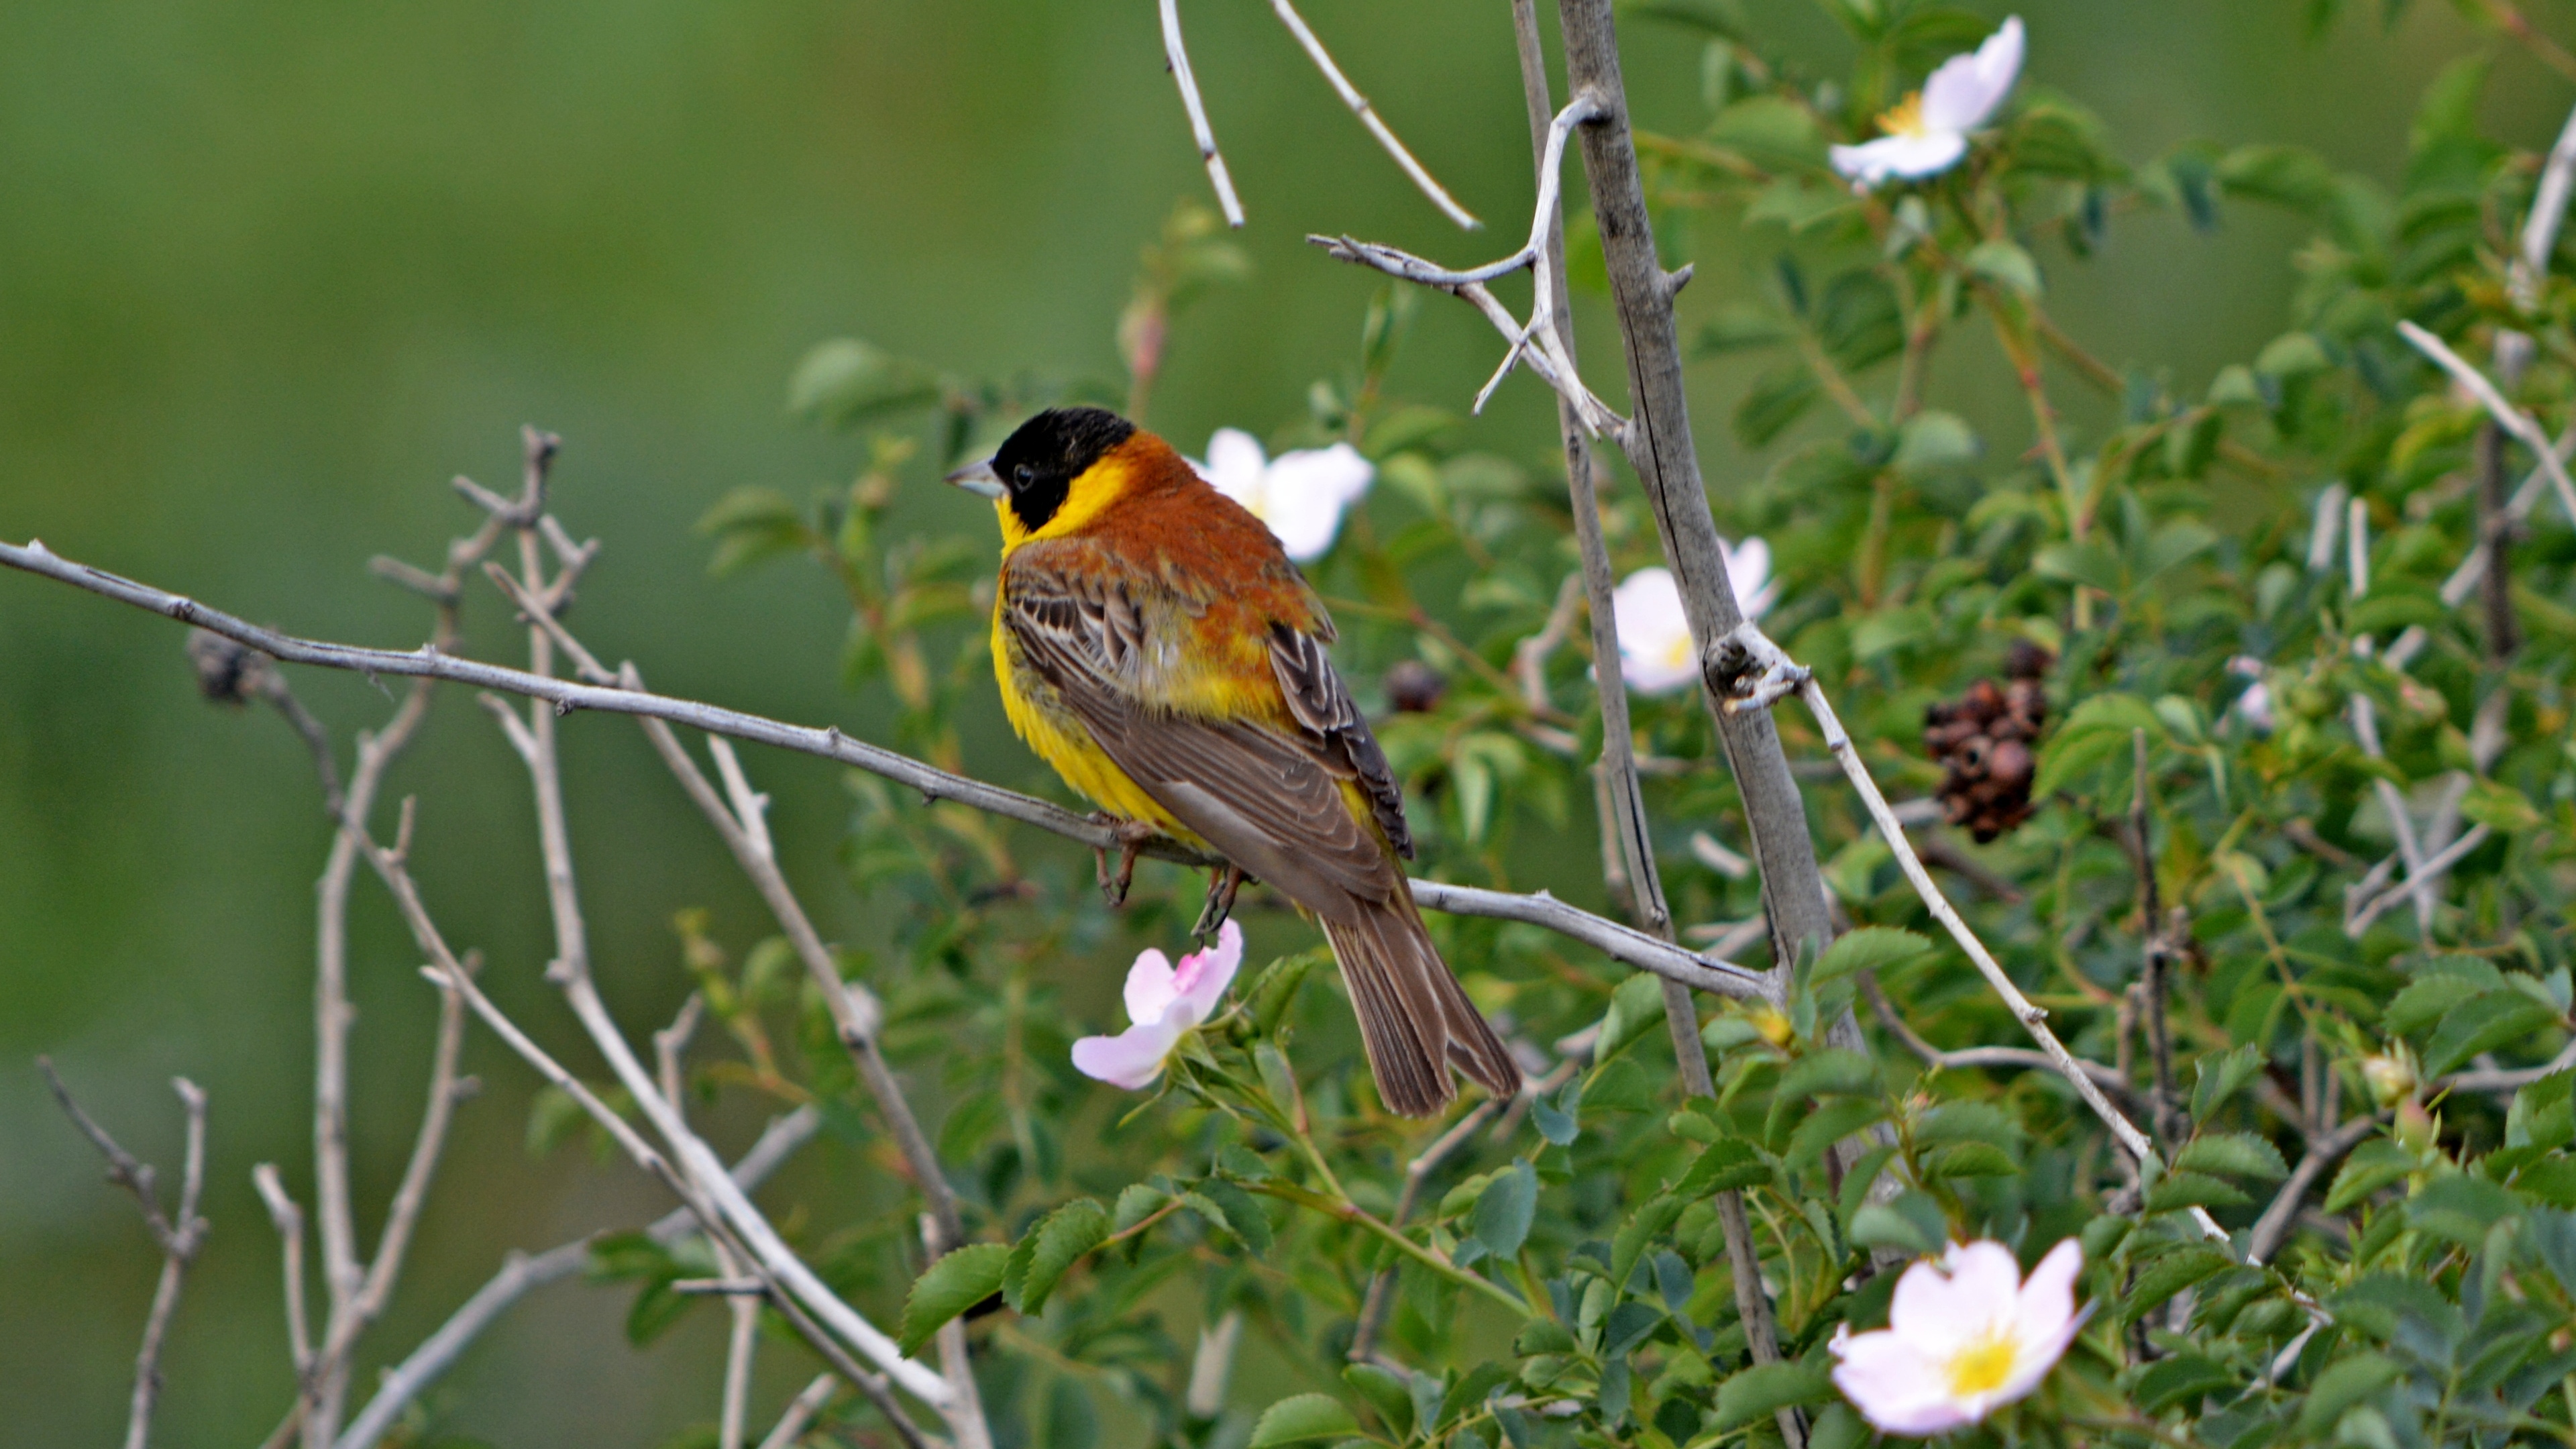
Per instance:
(1728,1164)
(1835,1072)
(2500,807)
(2372,1166)
(2241,1154)
(954,1284)
(1297,1419)
(1619,1086)
(2481,1024)
(1912,1223)
(2217,1078)
(1392,1397)
(2424,1001)
(1137,1202)
(846,381)
(1046,1251)
(1636,1008)
(1933,440)
(1971,1159)
(2171,1381)
(1830,1124)
(1506,1208)
(1870,948)
(1776,399)
(1648,1225)
(1765,1389)
(2169,1275)
(1243,1216)
(2072,753)
(2005,265)
(2191,1189)
(2343,1385)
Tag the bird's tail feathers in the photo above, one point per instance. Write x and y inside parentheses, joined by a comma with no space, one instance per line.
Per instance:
(1414,1017)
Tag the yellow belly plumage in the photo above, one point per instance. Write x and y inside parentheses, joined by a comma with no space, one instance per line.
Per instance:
(1062,742)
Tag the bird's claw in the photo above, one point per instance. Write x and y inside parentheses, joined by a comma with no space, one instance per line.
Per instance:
(1132,835)
(1222,884)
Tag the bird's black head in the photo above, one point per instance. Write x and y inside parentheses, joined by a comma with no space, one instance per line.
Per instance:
(1038,464)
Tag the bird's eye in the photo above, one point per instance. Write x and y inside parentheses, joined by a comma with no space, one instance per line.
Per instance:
(1025,475)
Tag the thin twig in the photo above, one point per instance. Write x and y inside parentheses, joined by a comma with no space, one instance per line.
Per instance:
(2109,1079)
(179,1240)
(2324,1151)
(1775,670)
(2513,419)
(1176,57)
(856,1014)
(521,1273)
(2359,918)
(801,1411)
(289,1220)
(1622,943)
(1360,107)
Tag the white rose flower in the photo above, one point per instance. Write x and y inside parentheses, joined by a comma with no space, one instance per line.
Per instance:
(1655,654)
(1301,495)
(1927,132)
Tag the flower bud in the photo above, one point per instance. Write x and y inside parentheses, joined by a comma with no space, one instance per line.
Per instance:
(2416,1128)
(2391,1079)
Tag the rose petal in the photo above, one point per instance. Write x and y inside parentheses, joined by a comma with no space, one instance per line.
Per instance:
(1654,635)
(1937,1310)
(1151,987)
(1131,1059)
(1910,157)
(1894,1385)
(1748,567)
(1234,465)
(2046,1304)
(1304,494)
(1967,88)
(1204,975)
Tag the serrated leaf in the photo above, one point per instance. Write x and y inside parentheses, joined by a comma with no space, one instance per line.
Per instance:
(1300,1418)
(1971,1159)
(1765,1389)
(2481,1024)
(1242,1216)
(1836,1071)
(1911,1222)
(1137,1202)
(1636,1008)
(2343,1385)
(2185,1376)
(1049,1249)
(2217,1078)
(2424,1001)
(1728,1164)
(2372,1166)
(1505,1210)
(2240,1154)
(2192,1189)
(2006,265)
(954,1284)
(1870,948)
(2169,1275)
(1389,1395)
(1830,1124)
(2073,752)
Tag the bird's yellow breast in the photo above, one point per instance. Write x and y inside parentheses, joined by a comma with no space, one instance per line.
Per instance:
(1063,742)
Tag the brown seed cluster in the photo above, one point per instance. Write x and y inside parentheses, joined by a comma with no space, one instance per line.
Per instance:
(1986,738)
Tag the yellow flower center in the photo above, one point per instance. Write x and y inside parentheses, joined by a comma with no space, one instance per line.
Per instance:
(1982,1366)
(1905,118)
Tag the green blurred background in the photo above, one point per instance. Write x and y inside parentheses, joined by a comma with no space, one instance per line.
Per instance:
(271,271)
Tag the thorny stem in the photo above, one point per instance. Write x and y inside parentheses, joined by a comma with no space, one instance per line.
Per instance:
(2159,950)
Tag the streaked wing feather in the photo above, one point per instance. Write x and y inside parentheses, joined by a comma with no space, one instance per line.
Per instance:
(1269,800)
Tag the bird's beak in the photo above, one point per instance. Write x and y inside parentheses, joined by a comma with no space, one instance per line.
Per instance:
(978,477)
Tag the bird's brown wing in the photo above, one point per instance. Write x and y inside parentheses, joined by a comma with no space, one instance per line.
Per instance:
(1269,799)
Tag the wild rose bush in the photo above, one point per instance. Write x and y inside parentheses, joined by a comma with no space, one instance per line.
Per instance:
(2224,600)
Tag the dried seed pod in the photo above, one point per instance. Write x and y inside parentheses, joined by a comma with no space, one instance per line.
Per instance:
(1413,687)
(1984,738)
